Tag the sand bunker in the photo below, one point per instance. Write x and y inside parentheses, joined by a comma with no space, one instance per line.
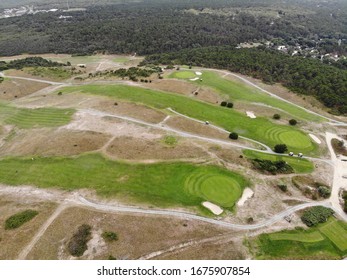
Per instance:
(251,115)
(194,79)
(315,138)
(198,73)
(247,194)
(215,209)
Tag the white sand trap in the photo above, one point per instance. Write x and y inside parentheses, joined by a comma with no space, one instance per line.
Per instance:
(194,79)
(198,73)
(215,209)
(247,194)
(251,115)
(315,138)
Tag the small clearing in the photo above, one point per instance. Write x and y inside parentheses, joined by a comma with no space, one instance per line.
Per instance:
(251,115)
(315,138)
(247,194)
(215,209)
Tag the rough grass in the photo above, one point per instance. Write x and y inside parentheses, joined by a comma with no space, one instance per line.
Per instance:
(29,118)
(260,129)
(242,92)
(57,73)
(158,184)
(326,241)
(19,219)
(298,164)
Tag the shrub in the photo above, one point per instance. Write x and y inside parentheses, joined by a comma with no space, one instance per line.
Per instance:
(280,148)
(324,191)
(19,219)
(293,122)
(78,243)
(230,105)
(60,93)
(233,136)
(223,103)
(283,188)
(316,215)
(273,167)
(109,236)
(276,116)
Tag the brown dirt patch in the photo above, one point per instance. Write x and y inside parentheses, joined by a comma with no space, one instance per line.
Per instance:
(131,148)
(186,88)
(136,111)
(194,127)
(13,241)
(45,142)
(12,89)
(138,235)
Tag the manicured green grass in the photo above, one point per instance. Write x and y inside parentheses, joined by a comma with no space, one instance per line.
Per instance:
(29,118)
(184,75)
(121,59)
(326,241)
(216,188)
(161,184)
(240,91)
(336,233)
(260,129)
(19,219)
(314,236)
(299,165)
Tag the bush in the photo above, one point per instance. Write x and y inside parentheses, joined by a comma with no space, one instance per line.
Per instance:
(230,105)
(78,243)
(109,236)
(273,167)
(293,122)
(280,148)
(324,191)
(233,136)
(283,188)
(316,215)
(19,219)
(223,103)
(276,116)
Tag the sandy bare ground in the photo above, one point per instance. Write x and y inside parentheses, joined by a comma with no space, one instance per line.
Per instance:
(315,138)
(215,209)
(251,115)
(247,194)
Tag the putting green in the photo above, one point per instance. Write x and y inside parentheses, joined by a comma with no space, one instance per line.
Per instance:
(184,75)
(219,189)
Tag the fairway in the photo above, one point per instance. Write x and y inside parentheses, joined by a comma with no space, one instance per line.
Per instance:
(299,165)
(260,129)
(336,233)
(216,188)
(314,236)
(241,91)
(30,118)
(158,184)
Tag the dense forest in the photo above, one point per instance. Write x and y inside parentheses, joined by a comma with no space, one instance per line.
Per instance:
(305,76)
(155,26)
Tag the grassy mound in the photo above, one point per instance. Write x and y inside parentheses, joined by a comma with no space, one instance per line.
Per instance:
(19,219)
(162,184)
(216,188)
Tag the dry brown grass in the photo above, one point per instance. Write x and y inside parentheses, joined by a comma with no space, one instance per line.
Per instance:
(49,142)
(13,241)
(138,235)
(14,88)
(131,148)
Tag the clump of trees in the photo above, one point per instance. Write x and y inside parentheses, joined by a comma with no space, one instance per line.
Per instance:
(293,122)
(19,219)
(227,104)
(280,148)
(283,188)
(78,243)
(324,191)
(28,62)
(316,215)
(233,136)
(344,197)
(273,167)
(276,116)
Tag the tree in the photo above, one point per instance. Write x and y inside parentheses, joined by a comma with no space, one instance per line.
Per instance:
(280,148)
(234,136)
(293,122)
(230,105)
(276,116)
(223,103)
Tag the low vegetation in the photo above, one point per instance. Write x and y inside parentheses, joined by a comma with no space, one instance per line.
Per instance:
(273,167)
(233,136)
(109,236)
(339,147)
(19,219)
(283,188)
(78,242)
(28,62)
(316,215)
(344,197)
(311,188)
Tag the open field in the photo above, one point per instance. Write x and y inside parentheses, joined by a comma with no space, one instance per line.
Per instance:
(326,241)
(299,165)
(29,118)
(259,129)
(158,184)
(239,91)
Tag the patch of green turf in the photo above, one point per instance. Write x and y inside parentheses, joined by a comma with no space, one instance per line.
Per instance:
(19,219)
(299,165)
(170,140)
(313,236)
(183,75)
(336,233)
(41,117)
(240,91)
(57,73)
(216,188)
(260,129)
(161,184)
(120,59)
